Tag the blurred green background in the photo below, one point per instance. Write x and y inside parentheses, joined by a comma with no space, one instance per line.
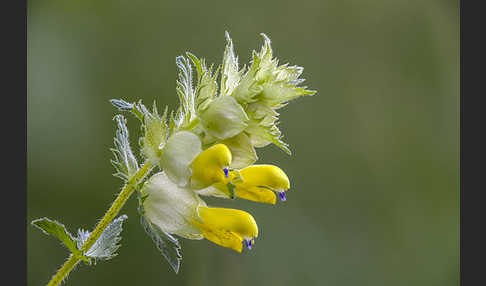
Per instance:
(375,164)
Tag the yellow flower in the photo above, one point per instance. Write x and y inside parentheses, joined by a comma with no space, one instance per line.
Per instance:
(210,166)
(257,183)
(178,210)
(210,176)
(228,227)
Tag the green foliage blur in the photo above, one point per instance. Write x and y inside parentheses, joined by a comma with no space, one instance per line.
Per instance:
(374,196)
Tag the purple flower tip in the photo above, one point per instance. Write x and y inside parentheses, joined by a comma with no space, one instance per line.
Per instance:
(247,243)
(225,170)
(282,196)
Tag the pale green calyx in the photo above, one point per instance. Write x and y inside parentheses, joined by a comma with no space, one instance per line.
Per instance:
(242,151)
(224,118)
(177,155)
(170,207)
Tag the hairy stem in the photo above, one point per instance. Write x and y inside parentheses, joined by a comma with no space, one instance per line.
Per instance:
(64,271)
(119,202)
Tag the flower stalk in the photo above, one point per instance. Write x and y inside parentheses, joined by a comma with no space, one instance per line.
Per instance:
(64,271)
(109,216)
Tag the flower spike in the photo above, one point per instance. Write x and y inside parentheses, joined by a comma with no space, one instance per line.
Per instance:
(207,147)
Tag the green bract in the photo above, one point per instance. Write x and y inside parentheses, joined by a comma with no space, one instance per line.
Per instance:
(230,75)
(263,89)
(155,134)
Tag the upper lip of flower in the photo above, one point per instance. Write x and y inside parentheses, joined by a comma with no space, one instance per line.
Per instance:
(208,167)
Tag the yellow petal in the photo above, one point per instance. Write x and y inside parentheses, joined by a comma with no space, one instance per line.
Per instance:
(227,227)
(265,175)
(254,193)
(207,167)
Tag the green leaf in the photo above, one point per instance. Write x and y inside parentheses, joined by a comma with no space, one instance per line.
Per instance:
(107,244)
(167,244)
(55,228)
(125,162)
